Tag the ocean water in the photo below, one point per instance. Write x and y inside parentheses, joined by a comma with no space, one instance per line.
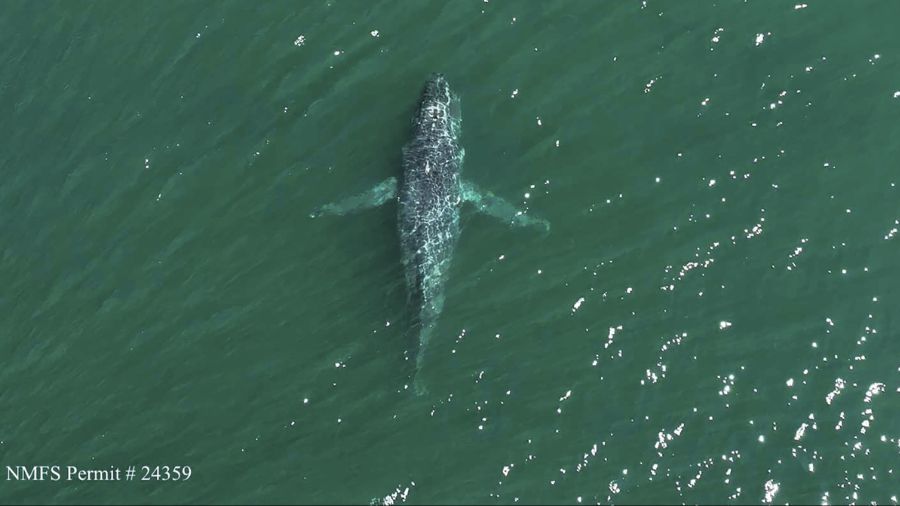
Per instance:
(712,318)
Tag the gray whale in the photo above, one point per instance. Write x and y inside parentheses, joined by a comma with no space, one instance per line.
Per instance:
(429,195)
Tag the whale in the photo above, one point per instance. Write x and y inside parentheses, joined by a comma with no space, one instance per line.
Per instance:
(430,195)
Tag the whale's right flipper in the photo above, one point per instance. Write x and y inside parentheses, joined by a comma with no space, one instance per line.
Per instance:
(374,197)
(488,203)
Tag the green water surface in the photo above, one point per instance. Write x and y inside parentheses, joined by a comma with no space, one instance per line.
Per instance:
(712,318)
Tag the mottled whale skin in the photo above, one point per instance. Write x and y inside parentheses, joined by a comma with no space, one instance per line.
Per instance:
(429,195)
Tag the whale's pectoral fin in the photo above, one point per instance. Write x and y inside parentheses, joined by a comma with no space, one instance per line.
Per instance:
(374,197)
(488,203)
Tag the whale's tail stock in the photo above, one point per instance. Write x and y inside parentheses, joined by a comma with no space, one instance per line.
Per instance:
(418,335)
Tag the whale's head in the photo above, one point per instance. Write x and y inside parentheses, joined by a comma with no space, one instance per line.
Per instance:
(436,89)
(438,107)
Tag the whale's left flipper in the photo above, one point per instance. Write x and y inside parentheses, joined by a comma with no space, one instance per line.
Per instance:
(488,203)
(374,197)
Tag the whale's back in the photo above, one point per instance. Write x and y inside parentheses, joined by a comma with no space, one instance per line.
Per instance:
(429,197)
